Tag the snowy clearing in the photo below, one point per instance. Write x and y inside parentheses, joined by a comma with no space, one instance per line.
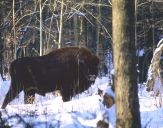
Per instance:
(83,111)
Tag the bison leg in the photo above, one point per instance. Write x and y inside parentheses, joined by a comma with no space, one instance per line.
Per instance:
(29,96)
(66,95)
(12,93)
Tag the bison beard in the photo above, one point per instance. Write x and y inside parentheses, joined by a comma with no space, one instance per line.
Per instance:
(71,70)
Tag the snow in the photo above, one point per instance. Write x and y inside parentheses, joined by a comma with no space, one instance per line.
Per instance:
(83,111)
(140,52)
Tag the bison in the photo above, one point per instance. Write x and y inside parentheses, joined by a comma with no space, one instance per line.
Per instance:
(70,69)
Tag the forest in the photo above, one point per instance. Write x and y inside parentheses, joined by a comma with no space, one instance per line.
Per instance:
(30,28)
(25,31)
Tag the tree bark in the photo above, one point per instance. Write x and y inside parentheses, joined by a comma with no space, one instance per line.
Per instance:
(127,110)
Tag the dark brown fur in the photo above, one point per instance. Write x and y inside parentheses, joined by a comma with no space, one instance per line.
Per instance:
(66,69)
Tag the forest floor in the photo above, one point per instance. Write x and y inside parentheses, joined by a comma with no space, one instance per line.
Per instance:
(83,111)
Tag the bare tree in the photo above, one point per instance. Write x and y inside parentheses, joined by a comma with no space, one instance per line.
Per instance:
(60,26)
(41,43)
(127,110)
(14,32)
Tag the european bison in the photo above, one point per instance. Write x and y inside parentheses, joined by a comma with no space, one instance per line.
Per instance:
(70,69)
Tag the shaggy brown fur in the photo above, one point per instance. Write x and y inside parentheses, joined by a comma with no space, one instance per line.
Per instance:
(71,70)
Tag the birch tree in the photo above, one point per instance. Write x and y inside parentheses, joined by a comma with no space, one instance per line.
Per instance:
(60,26)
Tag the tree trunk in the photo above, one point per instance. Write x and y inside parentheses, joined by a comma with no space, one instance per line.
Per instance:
(127,110)
(98,29)
(76,31)
(60,26)
(1,39)
(14,31)
(41,43)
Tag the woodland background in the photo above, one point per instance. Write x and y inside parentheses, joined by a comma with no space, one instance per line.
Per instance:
(35,27)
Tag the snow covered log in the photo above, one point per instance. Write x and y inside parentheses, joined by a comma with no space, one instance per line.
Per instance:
(154,69)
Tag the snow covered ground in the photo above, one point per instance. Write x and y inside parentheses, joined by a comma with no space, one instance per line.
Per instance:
(84,111)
